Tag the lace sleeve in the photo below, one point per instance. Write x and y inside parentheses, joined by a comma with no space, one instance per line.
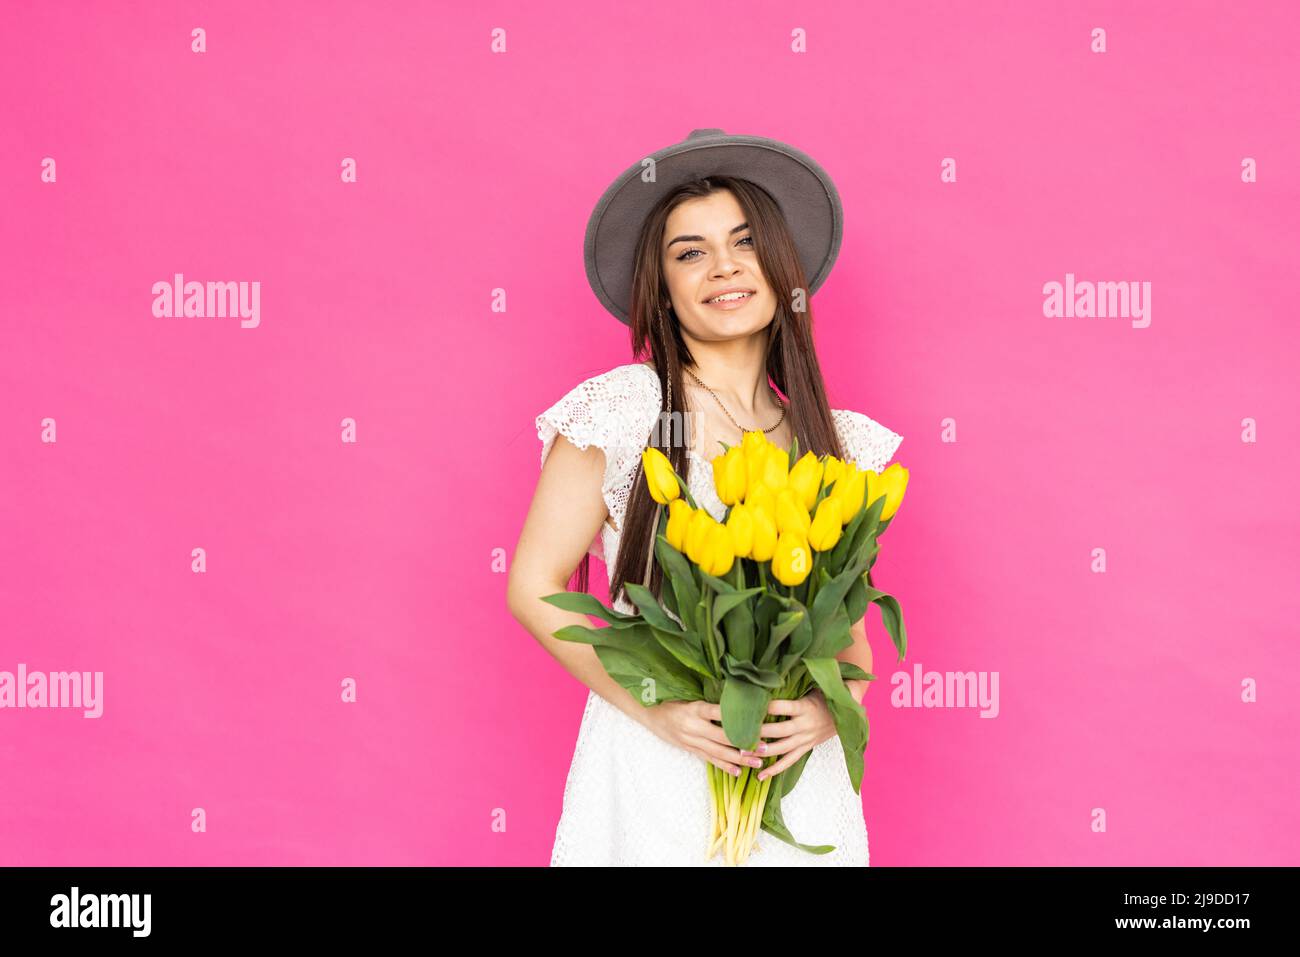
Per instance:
(868,443)
(613,411)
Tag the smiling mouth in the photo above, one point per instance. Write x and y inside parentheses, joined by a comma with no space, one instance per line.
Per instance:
(730,297)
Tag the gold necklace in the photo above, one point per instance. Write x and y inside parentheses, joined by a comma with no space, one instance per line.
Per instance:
(728,414)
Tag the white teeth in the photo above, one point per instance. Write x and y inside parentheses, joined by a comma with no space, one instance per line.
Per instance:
(730,297)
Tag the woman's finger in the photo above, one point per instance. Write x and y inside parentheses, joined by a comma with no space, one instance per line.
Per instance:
(781,729)
(784,763)
(725,751)
(783,745)
(710,711)
(722,765)
(714,733)
(728,759)
(787,706)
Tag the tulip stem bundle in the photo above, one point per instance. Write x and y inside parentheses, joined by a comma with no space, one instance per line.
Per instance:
(754,607)
(737,812)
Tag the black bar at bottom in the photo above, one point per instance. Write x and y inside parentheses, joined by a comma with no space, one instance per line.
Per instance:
(376,905)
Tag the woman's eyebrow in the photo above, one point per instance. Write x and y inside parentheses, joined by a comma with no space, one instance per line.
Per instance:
(700,239)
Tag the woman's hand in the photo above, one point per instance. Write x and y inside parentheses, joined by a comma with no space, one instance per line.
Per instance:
(689,725)
(810,723)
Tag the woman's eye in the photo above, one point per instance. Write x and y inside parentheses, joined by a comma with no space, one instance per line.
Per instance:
(687,257)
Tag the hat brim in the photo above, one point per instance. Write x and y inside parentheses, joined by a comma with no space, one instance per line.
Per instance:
(805,193)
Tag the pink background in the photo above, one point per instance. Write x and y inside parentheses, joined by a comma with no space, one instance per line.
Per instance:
(478,171)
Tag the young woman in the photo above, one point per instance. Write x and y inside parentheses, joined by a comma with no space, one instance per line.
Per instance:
(706,261)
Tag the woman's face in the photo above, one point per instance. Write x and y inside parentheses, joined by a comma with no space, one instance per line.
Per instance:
(708,250)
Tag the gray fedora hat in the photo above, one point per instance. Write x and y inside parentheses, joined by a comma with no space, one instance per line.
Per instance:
(806,194)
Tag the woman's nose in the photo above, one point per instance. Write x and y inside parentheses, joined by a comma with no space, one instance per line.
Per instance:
(726,266)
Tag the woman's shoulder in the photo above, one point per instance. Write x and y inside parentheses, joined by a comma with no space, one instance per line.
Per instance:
(613,409)
(868,443)
(631,388)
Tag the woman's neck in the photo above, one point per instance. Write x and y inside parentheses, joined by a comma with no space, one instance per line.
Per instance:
(737,374)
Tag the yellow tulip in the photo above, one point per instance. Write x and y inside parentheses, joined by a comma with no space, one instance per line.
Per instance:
(806,478)
(764,535)
(741,525)
(752,443)
(759,495)
(755,455)
(791,516)
(696,531)
(792,560)
(659,476)
(850,488)
(833,469)
(729,475)
(826,525)
(679,518)
(894,483)
(719,555)
(776,468)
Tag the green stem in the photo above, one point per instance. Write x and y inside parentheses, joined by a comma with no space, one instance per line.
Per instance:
(714,655)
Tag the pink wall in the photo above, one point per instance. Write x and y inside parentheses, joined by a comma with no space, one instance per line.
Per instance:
(374,560)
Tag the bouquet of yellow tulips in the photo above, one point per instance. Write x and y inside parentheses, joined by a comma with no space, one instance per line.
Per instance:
(755,608)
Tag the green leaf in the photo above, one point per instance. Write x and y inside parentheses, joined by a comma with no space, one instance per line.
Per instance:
(867,531)
(856,602)
(635,639)
(794,771)
(773,822)
(639,654)
(802,637)
(786,623)
(765,616)
(725,603)
(875,550)
(744,706)
(738,618)
(719,585)
(740,668)
(680,647)
(648,606)
(582,634)
(677,571)
(582,602)
(831,634)
(892,616)
(632,670)
(669,597)
(831,595)
(843,548)
(851,672)
(685,490)
(850,717)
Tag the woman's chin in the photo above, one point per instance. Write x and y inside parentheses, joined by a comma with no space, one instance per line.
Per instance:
(732,325)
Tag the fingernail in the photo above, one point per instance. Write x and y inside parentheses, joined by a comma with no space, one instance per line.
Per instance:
(756,762)
(762,775)
(735,772)
(744,751)
(762,749)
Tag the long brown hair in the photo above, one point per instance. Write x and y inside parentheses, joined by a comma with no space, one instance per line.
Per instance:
(791,361)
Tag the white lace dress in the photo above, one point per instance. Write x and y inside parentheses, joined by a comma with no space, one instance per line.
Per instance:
(631,798)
